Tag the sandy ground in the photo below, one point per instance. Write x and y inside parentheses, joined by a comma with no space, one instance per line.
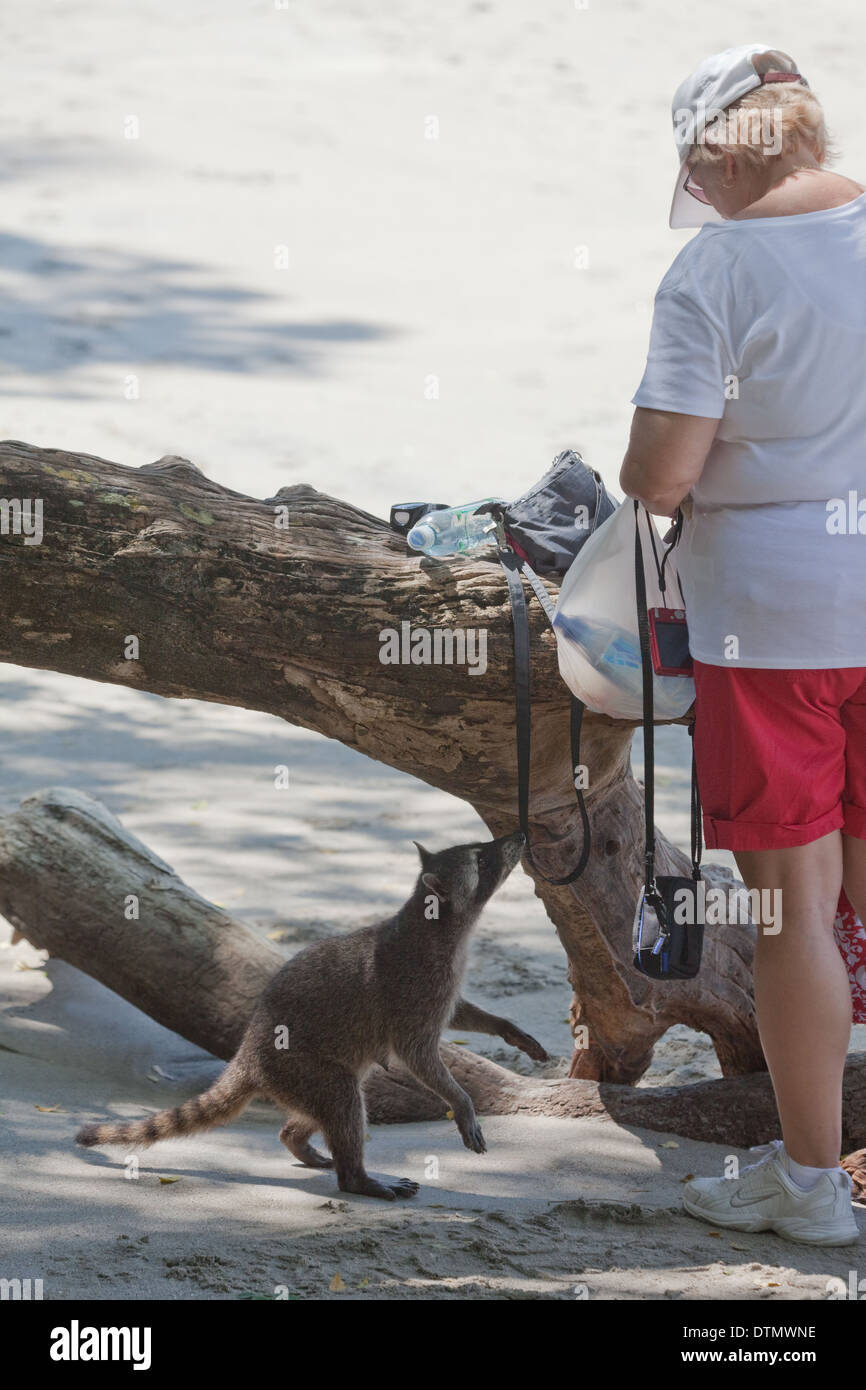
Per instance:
(450,307)
(555,1209)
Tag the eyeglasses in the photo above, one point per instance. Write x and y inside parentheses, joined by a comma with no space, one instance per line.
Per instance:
(694,188)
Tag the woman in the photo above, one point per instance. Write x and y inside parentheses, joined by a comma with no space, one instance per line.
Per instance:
(752,414)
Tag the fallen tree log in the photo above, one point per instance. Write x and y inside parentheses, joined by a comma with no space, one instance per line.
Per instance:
(70,874)
(225,602)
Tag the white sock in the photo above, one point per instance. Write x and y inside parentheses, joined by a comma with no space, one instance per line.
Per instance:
(803,1176)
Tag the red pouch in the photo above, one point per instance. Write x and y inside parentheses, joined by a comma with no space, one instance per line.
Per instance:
(851,939)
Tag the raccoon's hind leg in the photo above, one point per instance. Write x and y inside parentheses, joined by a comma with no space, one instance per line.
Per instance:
(321,1094)
(342,1117)
(295,1134)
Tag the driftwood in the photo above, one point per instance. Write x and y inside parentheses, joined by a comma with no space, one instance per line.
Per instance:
(229,604)
(69,873)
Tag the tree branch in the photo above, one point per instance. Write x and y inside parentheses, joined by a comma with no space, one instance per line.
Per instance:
(228,606)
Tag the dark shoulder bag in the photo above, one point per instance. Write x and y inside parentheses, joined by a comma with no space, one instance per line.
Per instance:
(668,934)
(541,528)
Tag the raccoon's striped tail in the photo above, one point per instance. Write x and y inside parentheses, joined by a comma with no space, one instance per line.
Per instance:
(226,1098)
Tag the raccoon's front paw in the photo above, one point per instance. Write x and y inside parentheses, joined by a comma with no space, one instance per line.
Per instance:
(516,1037)
(403,1187)
(470,1133)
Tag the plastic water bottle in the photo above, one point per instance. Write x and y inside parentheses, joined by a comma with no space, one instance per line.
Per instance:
(453,530)
(611,650)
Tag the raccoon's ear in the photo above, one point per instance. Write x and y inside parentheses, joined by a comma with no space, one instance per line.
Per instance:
(436,886)
(423,854)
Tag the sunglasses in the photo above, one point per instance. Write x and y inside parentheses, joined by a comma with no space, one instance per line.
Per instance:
(690,186)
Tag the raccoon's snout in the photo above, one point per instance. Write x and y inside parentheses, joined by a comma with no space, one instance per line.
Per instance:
(514,847)
(516,840)
(498,859)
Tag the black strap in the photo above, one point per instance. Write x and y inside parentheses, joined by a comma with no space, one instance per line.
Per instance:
(514,567)
(599,493)
(675,532)
(697,837)
(649,726)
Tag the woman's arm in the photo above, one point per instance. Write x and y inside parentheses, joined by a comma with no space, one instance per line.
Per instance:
(665,457)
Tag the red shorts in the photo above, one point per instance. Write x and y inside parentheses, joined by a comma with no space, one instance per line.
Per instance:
(780,754)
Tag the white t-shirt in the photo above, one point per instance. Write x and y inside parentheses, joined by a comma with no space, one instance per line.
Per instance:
(761,324)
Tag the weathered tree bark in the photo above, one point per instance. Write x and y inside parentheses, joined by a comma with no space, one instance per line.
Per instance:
(69,872)
(229,606)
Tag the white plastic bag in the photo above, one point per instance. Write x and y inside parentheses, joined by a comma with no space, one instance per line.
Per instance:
(596,621)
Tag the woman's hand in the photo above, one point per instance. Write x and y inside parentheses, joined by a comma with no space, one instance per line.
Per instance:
(665,457)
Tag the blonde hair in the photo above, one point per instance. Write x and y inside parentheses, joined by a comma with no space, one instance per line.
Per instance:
(774,120)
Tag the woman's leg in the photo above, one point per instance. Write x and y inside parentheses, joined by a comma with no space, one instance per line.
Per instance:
(802,994)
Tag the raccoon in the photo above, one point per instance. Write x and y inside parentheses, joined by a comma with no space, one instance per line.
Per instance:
(378,994)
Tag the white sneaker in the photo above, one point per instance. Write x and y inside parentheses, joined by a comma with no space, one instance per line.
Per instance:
(765,1198)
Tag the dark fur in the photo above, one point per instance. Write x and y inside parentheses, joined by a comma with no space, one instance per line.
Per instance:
(383,992)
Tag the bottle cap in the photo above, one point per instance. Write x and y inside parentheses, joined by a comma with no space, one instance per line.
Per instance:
(420,537)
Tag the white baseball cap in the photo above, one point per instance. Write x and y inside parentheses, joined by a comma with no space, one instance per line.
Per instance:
(715,84)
